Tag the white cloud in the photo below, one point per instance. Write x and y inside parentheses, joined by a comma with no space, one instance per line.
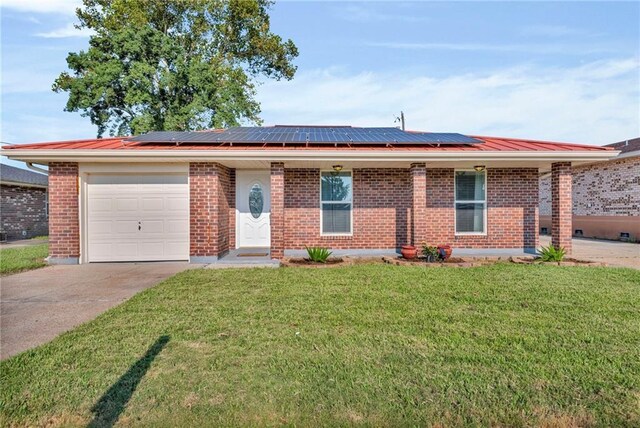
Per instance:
(67,31)
(362,14)
(67,7)
(596,103)
(538,48)
(551,31)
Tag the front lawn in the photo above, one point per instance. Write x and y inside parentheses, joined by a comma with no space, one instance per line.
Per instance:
(503,345)
(13,260)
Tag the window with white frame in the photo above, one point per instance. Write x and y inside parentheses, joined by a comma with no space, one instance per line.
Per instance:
(335,202)
(470,201)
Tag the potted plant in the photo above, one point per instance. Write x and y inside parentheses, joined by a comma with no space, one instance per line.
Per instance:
(430,253)
(409,252)
(445,251)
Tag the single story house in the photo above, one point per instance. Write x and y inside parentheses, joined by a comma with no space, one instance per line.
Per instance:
(23,204)
(606,196)
(196,195)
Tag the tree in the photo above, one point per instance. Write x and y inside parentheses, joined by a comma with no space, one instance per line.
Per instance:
(173,64)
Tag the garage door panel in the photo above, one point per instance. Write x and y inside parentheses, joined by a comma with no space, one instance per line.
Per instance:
(152,226)
(118,205)
(127,204)
(177,227)
(100,205)
(178,204)
(152,204)
(102,227)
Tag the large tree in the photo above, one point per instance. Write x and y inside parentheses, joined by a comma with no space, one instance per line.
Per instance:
(173,64)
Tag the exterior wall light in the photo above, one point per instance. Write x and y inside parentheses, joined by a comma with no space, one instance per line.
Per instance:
(479,168)
(337,168)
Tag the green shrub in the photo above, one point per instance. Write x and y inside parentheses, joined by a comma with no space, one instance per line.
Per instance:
(430,253)
(318,254)
(552,254)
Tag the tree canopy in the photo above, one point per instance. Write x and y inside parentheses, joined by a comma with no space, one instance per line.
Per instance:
(173,64)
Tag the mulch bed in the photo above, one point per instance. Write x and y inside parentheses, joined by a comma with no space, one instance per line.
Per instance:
(450,262)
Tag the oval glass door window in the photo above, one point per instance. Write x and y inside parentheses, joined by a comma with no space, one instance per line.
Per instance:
(256,201)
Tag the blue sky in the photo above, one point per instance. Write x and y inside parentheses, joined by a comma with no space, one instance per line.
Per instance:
(540,70)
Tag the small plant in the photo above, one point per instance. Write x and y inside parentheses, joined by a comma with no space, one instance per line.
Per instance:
(552,254)
(318,254)
(430,253)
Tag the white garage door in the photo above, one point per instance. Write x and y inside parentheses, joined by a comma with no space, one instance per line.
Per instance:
(137,217)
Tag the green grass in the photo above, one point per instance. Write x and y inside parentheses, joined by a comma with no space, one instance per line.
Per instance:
(379,345)
(13,260)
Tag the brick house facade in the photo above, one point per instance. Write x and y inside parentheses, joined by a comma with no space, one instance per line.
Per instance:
(606,197)
(23,204)
(393,197)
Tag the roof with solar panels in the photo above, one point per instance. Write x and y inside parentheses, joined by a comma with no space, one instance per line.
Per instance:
(307,137)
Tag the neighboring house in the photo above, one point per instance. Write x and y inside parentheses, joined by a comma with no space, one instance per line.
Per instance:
(196,195)
(606,196)
(23,203)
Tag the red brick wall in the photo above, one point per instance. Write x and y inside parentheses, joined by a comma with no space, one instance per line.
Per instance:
(224,206)
(419,203)
(23,210)
(381,204)
(278,202)
(561,205)
(210,193)
(383,201)
(64,227)
(512,209)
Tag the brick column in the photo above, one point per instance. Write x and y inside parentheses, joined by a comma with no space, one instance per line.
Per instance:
(64,225)
(561,205)
(209,211)
(277,210)
(419,203)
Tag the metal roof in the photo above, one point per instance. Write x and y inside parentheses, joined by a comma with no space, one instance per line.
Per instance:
(317,135)
(11,174)
(490,144)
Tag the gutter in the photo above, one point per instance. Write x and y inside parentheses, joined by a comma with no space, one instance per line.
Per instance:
(37,169)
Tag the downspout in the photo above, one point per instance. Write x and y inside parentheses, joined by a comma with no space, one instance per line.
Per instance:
(36,169)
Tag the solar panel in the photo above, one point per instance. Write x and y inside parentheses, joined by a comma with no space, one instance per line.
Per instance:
(307,134)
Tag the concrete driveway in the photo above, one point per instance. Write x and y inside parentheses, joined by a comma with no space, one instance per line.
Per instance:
(38,305)
(614,253)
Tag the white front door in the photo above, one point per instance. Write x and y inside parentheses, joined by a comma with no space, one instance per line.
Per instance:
(134,217)
(253,208)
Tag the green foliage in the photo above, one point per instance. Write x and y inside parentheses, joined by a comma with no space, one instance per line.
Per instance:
(173,64)
(14,260)
(367,345)
(318,254)
(430,252)
(552,254)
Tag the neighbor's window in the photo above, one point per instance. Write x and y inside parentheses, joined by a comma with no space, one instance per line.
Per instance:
(336,202)
(471,201)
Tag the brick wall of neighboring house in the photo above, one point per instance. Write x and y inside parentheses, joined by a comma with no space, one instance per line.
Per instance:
(602,189)
(382,206)
(512,209)
(64,227)
(606,199)
(23,212)
(210,206)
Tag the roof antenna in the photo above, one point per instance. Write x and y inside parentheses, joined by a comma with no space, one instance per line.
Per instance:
(400,119)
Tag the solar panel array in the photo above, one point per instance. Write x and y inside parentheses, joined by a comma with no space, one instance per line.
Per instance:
(307,134)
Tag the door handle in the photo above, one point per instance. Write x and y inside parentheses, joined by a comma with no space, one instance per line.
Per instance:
(139,226)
